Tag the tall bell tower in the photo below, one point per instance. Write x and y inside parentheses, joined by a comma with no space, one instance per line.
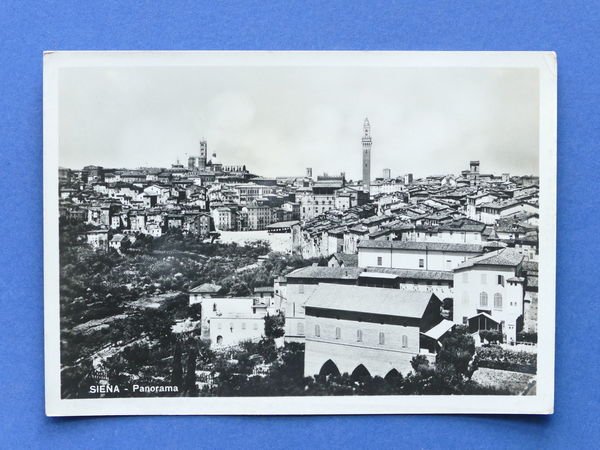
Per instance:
(366,156)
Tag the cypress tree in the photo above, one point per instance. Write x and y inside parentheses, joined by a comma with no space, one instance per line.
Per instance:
(189,384)
(177,371)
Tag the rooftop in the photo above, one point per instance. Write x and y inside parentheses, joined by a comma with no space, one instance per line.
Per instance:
(463,225)
(436,275)
(287,224)
(422,246)
(504,257)
(326,273)
(440,329)
(369,300)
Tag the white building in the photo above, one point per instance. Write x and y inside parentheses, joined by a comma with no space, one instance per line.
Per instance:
(97,239)
(299,285)
(368,331)
(490,213)
(489,293)
(157,195)
(461,231)
(415,255)
(228,321)
(225,218)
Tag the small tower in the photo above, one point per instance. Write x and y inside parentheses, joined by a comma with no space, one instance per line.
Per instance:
(203,154)
(366,156)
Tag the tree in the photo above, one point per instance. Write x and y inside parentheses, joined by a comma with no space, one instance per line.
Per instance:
(274,326)
(177,371)
(455,356)
(420,364)
(189,384)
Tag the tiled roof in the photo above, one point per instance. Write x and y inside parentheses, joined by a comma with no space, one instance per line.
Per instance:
(436,275)
(530,266)
(422,246)
(369,300)
(463,225)
(289,223)
(504,257)
(326,273)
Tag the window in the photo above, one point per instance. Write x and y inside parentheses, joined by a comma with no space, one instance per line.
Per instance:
(214,306)
(381,338)
(465,320)
(317,331)
(358,335)
(379,261)
(501,280)
(338,332)
(421,262)
(484,278)
(483,300)
(498,301)
(404,341)
(301,289)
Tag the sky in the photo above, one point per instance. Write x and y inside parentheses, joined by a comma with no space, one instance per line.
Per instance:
(280,120)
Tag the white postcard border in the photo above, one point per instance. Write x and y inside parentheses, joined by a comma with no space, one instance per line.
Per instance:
(541,403)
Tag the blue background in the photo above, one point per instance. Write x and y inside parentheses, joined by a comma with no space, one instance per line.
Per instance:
(26,29)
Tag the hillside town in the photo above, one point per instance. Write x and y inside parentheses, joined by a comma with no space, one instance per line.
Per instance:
(391,265)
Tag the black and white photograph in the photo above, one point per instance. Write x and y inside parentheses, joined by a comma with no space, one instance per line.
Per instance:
(299,232)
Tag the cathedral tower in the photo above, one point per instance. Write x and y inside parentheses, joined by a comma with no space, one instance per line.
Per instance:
(366,156)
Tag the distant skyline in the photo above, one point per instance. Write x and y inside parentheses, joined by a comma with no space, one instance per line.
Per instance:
(280,120)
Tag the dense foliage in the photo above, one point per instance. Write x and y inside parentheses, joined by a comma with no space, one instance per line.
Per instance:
(524,336)
(491,336)
(118,310)
(496,357)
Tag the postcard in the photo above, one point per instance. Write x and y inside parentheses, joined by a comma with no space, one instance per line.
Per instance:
(254,233)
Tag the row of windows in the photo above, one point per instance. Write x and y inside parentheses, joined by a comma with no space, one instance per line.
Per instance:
(499,279)
(242,326)
(483,300)
(359,335)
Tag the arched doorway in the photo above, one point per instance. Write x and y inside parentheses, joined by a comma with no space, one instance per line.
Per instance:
(219,340)
(328,369)
(361,373)
(393,376)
